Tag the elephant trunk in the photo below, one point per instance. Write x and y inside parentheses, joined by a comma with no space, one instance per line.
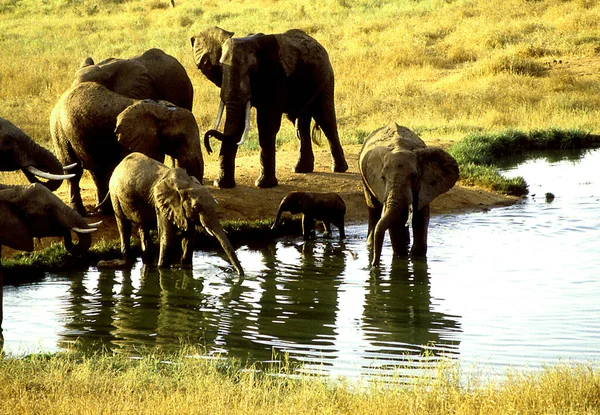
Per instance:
(229,251)
(84,242)
(39,161)
(234,131)
(397,212)
(278,216)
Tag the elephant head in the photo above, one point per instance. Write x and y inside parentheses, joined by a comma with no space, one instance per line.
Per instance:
(294,202)
(159,128)
(33,211)
(19,152)
(153,75)
(401,176)
(185,203)
(206,47)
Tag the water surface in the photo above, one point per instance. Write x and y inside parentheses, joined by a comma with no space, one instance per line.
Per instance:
(510,287)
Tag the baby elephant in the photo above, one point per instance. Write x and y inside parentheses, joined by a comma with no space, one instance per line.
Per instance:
(151,195)
(329,208)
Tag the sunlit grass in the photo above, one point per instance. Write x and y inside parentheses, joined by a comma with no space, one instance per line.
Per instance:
(186,384)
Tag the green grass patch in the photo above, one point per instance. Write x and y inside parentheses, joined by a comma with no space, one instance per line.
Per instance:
(478,155)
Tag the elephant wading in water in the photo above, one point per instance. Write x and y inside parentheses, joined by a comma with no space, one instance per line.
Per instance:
(328,208)
(19,152)
(96,128)
(151,195)
(401,176)
(33,211)
(152,75)
(288,73)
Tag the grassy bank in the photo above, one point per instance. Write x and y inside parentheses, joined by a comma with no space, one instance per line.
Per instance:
(69,383)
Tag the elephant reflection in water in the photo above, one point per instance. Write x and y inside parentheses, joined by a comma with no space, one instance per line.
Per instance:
(400,312)
(168,308)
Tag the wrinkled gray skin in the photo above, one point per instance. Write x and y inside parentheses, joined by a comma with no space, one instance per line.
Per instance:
(328,208)
(153,196)
(153,75)
(399,172)
(33,211)
(288,73)
(19,152)
(96,128)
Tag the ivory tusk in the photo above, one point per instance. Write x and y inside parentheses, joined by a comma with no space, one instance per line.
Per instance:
(219,115)
(410,215)
(79,230)
(70,166)
(95,224)
(49,176)
(246,124)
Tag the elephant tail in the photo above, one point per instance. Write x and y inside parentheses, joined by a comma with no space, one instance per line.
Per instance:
(104,201)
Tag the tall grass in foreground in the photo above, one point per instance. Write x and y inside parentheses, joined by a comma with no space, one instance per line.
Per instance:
(101,384)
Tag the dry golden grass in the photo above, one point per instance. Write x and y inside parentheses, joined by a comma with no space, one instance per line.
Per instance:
(64,384)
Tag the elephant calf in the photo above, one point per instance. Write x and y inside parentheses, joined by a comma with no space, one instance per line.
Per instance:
(328,208)
(151,195)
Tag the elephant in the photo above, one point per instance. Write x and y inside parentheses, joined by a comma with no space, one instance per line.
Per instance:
(18,151)
(288,73)
(328,208)
(33,211)
(400,177)
(151,195)
(96,127)
(152,75)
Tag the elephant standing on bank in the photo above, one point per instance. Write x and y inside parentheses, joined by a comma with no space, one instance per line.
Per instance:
(328,208)
(18,151)
(33,211)
(96,128)
(151,195)
(152,75)
(288,73)
(401,176)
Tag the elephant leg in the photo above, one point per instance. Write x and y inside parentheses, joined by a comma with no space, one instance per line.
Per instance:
(420,224)
(340,225)
(374,216)
(146,245)
(124,227)
(167,236)
(75,200)
(101,180)
(187,247)
(327,225)
(400,239)
(268,126)
(308,227)
(306,158)
(226,179)
(324,115)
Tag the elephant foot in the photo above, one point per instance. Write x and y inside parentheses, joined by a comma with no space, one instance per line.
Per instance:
(266,182)
(224,183)
(305,165)
(340,167)
(418,251)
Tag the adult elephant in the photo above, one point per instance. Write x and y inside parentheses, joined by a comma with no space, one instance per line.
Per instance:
(153,75)
(288,73)
(151,195)
(401,176)
(18,151)
(33,211)
(96,128)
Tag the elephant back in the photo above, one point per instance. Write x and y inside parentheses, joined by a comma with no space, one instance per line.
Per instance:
(393,136)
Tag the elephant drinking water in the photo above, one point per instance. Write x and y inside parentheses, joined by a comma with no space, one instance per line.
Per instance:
(401,176)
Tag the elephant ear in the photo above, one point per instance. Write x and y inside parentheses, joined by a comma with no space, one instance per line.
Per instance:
(371,166)
(168,199)
(439,172)
(138,128)
(12,218)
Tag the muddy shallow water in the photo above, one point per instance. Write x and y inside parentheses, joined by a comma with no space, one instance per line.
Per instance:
(511,287)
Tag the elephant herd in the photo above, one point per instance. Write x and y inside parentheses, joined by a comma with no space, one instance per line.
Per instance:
(121,118)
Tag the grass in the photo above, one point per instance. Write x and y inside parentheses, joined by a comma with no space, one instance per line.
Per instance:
(167,384)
